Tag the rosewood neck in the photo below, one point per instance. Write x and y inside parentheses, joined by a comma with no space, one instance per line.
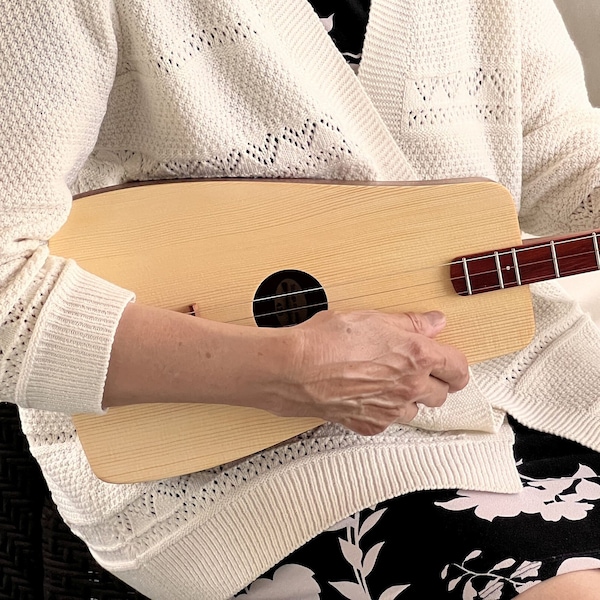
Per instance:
(511,267)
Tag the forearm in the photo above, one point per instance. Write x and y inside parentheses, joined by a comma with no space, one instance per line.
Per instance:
(165,356)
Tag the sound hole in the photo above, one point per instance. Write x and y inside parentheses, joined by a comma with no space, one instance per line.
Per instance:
(287,298)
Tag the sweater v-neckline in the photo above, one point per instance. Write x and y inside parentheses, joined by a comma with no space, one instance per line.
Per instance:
(301,27)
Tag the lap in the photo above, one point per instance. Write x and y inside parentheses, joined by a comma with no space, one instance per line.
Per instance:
(456,543)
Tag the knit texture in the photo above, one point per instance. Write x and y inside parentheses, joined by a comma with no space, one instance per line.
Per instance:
(95,93)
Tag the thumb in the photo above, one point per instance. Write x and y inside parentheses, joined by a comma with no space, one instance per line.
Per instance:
(428,323)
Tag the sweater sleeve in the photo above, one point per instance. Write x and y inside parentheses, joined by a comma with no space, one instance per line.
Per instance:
(57,322)
(561,131)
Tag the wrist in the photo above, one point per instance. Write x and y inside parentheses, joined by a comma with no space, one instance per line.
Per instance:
(267,375)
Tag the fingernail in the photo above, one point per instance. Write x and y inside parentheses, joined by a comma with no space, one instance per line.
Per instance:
(436,318)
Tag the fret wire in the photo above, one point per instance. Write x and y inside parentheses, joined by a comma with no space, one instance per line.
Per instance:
(467,278)
(596,248)
(554,259)
(499,270)
(532,264)
(516,266)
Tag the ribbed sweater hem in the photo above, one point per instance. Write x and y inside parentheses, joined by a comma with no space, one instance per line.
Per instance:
(217,558)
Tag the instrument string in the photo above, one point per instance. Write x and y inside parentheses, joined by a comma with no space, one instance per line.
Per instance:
(532,264)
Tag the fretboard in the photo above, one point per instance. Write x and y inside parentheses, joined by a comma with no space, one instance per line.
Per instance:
(510,267)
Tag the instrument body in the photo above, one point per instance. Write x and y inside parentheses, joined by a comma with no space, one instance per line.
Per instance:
(215,242)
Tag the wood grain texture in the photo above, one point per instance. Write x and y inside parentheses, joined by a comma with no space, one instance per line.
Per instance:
(384,247)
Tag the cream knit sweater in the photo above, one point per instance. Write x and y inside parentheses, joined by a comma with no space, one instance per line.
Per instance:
(95,93)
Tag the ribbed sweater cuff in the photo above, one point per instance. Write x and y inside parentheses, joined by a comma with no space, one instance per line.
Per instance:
(65,366)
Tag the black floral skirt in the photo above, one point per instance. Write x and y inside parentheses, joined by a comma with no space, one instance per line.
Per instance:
(455,543)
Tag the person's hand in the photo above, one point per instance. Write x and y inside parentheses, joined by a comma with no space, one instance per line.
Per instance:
(367,369)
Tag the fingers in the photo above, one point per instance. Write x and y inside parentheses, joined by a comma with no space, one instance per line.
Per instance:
(434,393)
(450,366)
(375,414)
(445,363)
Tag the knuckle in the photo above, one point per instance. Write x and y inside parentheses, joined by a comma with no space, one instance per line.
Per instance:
(416,389)
(418,355)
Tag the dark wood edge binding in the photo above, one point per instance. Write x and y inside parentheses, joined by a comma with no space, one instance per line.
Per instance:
(133,184)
